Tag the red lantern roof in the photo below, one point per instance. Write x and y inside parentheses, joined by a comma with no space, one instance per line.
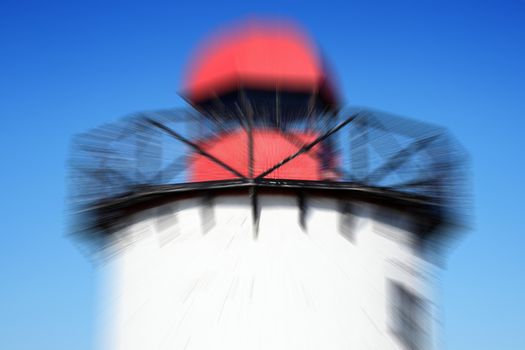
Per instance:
(258,57)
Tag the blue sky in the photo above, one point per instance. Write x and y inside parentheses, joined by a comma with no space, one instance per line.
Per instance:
(69,66)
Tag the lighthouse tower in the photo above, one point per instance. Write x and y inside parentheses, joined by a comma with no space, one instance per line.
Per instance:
(264,216)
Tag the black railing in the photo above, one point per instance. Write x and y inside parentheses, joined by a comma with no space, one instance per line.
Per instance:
(152,150)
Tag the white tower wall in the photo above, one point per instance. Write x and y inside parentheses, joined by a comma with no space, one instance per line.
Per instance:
(190,275)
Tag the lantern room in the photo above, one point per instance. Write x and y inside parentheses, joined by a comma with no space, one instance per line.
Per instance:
(267,91)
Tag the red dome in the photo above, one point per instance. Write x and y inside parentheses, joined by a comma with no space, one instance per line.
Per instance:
(258,57)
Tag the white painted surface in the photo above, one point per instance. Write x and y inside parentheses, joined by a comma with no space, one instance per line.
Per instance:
(180,283)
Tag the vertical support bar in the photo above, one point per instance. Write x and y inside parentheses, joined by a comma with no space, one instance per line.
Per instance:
(255,211)
(207,214)
(303,207)
(347,220)
(250,146)
(248,110)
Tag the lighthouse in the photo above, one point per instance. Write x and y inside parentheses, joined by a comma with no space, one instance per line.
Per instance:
(264,215)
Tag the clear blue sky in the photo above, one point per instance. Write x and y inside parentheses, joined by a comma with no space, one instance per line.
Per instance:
(69,66)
